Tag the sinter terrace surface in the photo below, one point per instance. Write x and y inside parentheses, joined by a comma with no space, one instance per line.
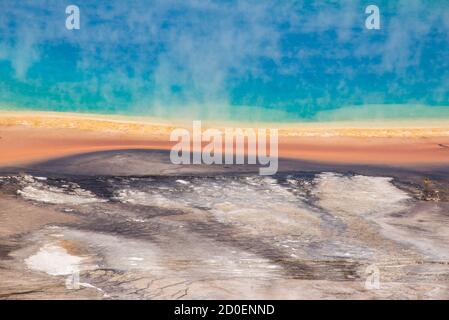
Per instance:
(203,235)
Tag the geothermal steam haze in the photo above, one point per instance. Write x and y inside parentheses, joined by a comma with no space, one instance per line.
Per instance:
(276,60)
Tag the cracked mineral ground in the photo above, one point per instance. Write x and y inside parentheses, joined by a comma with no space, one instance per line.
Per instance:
(82,228)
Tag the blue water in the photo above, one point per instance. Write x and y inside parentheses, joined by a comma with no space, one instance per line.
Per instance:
(247,60)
